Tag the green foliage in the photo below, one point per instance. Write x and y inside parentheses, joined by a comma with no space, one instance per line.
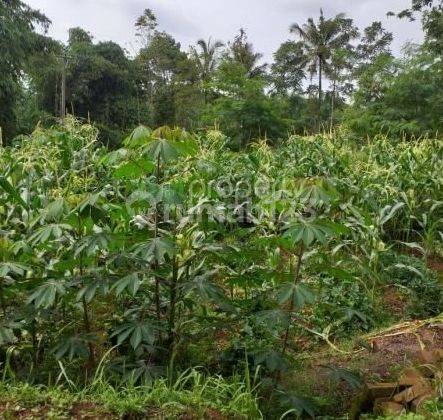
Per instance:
(412,274)
(126,262)
(165,77)
(398,97)
(170,251)
(242,110)
(18,41)
(229,88)
(192,393)
(287,71)
(320,40)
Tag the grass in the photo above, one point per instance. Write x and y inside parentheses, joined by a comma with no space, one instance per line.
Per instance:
(193,394)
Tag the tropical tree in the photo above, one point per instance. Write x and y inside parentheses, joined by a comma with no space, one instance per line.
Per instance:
(398,97)
(146,25)
(18,23)
(165,76)
(431,13)
(242,110)
(340,74)
(100,85)
(375,41)
(157,66)
(243,52)
(206,60)
(288,67)
(320,39)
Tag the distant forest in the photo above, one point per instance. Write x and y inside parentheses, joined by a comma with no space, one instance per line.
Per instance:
(329,75)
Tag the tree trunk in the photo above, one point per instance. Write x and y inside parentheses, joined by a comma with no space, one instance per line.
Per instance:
(332,104)
(63,92)
(320,70)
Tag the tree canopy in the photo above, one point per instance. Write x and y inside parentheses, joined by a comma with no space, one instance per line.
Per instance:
(216,83)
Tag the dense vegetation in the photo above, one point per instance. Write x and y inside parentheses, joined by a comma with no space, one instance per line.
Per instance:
(193,272)
(174,252)
(328,74)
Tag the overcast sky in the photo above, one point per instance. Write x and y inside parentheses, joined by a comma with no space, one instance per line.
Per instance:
(266,21)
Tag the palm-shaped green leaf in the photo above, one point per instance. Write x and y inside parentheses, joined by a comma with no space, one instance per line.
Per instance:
(156,249)
(45,294)
(139,137)
(341,374)
(318,194)
(89,291)
(91,244)
(272,318)
(272,359)
(8,268)
(297,405)
(47,232)
(300,293)
(7,335)
(54,211)
(162,150)
(134,169)
(137,332)
(131,283)
(206,288)
(310,231)
(74,346)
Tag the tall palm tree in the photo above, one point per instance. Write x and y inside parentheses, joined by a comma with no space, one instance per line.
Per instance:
(320,39)
(206,57)
(206,60)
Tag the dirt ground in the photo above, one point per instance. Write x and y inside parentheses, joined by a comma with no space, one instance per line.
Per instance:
(404,345)
(79,411)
